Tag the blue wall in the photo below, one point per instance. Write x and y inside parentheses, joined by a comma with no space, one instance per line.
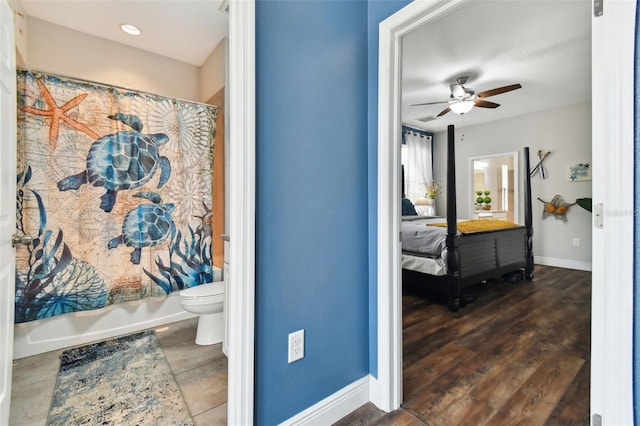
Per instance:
(378,11)
(311,219)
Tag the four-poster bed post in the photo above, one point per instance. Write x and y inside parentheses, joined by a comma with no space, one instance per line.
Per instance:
(475,257)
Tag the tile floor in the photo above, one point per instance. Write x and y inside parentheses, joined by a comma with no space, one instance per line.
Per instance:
(201,373)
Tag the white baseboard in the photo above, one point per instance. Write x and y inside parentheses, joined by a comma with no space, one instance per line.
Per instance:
(374,391)
(563,263)
(334,407)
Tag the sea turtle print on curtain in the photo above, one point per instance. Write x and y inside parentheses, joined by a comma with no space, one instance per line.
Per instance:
(115,187)
(122,160)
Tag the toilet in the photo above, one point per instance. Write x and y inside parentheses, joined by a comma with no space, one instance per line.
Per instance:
(206,300)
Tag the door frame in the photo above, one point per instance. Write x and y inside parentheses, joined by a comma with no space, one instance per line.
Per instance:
(612,117)
(613,45)
(8,209)
(392,30)
(241,114)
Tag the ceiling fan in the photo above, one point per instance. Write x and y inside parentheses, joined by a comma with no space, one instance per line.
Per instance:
(463,99)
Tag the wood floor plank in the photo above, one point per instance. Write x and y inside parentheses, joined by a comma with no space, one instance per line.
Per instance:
(363,416)
(566,415)
(577,395)
(519,354)
(421,373)
(538,397)
(496,387)
(421,328)
(398,418)
(429,403)
(444,391)
(419,348)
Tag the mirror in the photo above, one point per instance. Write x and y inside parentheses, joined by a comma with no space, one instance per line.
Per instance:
(494,186)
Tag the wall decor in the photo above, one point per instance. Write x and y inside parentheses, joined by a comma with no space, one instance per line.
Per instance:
(114,186)
(580,172)
(539,167)
(586,203)
(556,207)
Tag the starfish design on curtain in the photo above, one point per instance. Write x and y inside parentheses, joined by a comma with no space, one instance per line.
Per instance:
(58,113)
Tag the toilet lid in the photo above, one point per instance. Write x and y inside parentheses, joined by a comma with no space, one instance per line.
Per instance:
(203,290)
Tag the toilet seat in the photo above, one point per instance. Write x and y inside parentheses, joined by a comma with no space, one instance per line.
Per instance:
(204,293)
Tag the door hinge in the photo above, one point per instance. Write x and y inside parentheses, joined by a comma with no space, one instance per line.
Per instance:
(598,6)
(596,420)
(598,215)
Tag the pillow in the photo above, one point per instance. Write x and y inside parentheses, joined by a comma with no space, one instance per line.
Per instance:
(407,208)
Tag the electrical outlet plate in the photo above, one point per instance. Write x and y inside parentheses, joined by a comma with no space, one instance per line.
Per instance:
(296,346)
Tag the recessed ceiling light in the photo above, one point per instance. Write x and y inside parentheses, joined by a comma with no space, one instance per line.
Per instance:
(130,29)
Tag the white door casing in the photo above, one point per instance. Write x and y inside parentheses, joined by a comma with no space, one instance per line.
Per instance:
(613,36)
(388,394)
(7,205)
(241,285)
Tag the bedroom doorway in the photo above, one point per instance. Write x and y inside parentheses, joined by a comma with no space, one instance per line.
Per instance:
(619,27)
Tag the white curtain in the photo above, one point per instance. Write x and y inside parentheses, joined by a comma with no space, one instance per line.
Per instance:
(418,169)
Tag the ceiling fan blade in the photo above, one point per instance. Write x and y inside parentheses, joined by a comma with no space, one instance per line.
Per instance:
(485,104)
(431,103)
(444,111)
(498,90)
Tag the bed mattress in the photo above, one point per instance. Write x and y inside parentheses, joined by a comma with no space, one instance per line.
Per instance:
(420,239)
(427,265)
(423,247)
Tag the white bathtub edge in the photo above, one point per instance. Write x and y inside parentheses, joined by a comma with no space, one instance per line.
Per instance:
(62,331)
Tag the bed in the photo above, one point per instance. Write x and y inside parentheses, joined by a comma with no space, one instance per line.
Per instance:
(447,260)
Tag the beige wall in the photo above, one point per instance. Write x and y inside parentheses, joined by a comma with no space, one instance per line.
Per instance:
(59,50)
(212,72)
(20,22)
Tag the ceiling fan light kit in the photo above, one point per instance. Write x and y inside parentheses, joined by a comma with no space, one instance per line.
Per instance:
(461,107)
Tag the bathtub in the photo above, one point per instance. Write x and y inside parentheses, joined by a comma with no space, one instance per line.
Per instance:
(34,337)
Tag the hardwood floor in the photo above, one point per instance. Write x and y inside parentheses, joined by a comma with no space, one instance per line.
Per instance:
(519,354)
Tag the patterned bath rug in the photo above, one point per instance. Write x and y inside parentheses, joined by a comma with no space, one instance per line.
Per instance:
(122,381)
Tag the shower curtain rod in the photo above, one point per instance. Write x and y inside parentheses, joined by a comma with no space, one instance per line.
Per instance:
(36,70)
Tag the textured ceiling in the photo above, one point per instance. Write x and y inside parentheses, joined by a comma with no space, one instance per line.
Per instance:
(543,45)
(185,30)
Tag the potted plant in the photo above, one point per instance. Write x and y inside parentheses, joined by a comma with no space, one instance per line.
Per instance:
(432,190)
(486,200)
(483,201)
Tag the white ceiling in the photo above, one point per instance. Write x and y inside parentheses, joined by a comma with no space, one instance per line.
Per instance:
(184,30)
(543,45)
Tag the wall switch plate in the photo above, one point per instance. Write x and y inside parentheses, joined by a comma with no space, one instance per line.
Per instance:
(296,346)
(576,242)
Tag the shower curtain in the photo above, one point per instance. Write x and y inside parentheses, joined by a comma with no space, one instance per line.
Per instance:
(115,188)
